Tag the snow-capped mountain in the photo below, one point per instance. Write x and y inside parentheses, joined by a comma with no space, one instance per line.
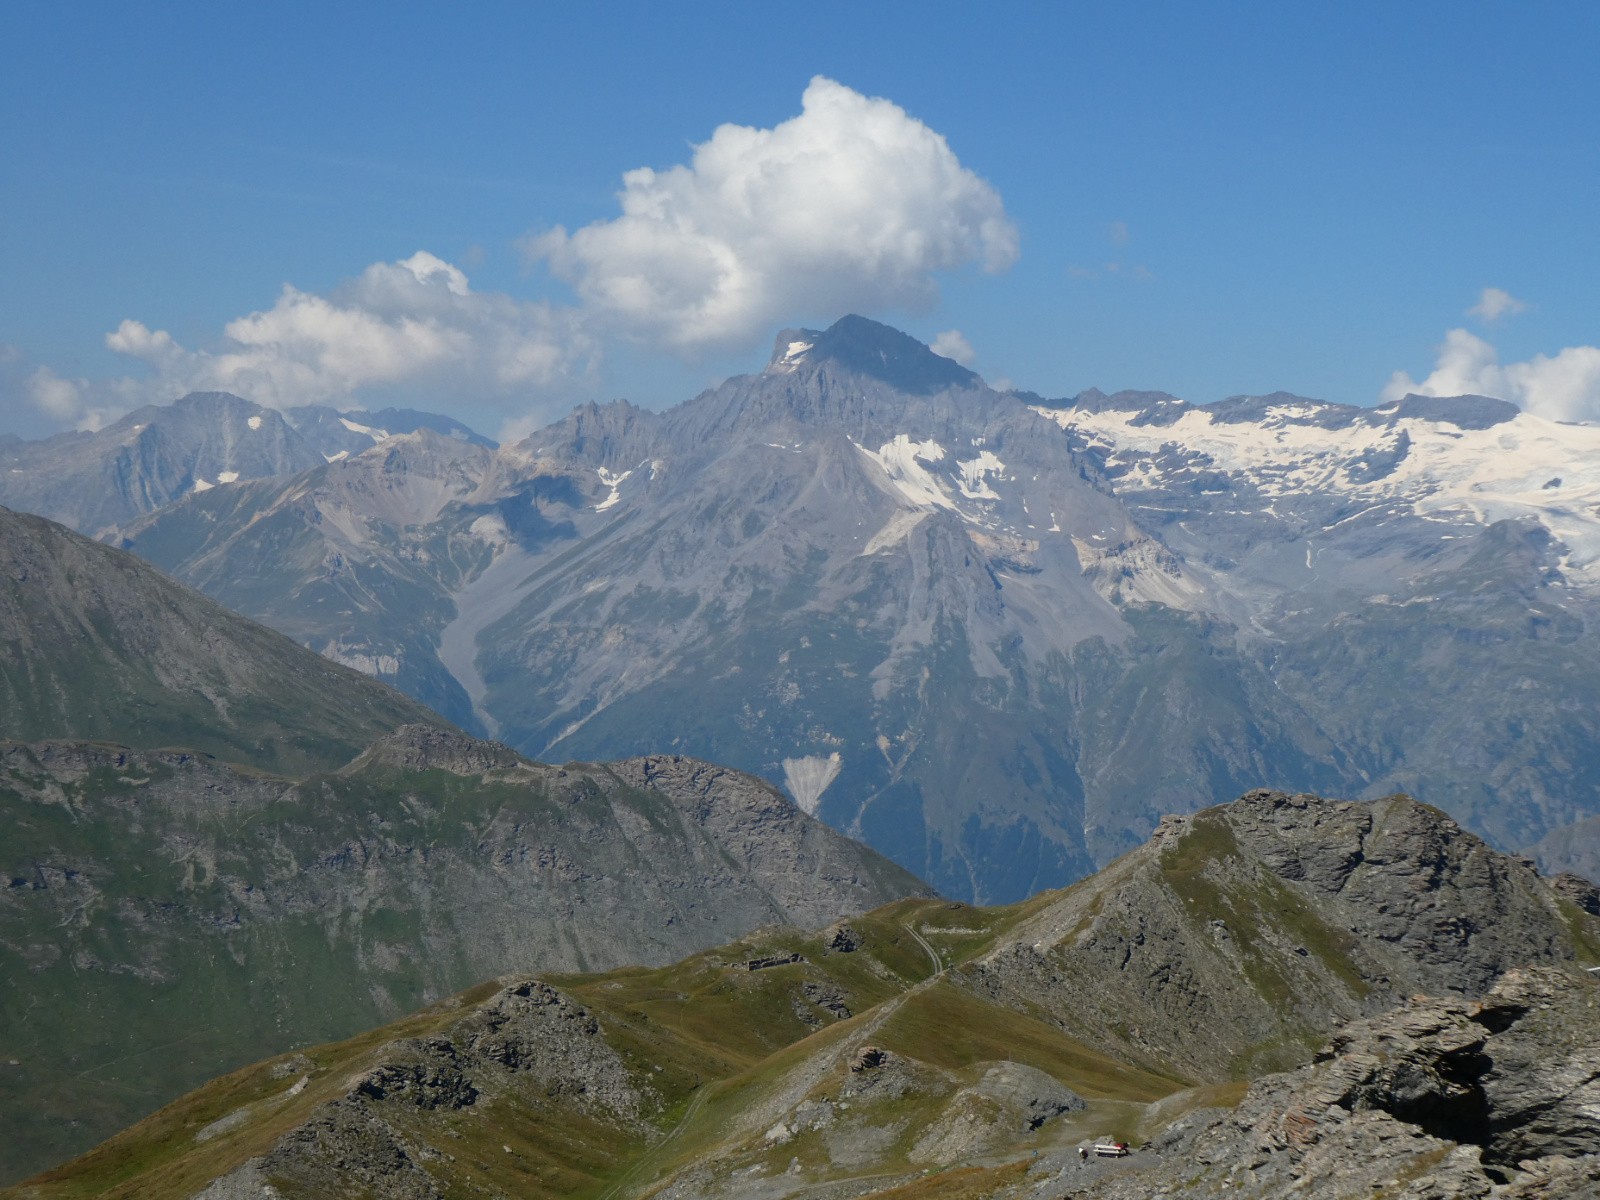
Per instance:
(151,457)
(1456,463)
(97,481)
(996,636)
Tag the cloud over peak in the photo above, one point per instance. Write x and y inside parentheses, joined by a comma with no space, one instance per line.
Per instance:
(851,205)
(953,344)
(401,323)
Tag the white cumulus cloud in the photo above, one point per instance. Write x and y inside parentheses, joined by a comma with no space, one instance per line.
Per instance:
(1564,386)
(75,402)
(1494,303)
(953,344)
(409,323)
(853,204)
(57,398)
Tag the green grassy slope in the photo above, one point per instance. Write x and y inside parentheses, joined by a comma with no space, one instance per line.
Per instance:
(98,645)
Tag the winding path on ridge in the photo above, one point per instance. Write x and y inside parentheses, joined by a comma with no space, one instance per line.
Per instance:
(933,955)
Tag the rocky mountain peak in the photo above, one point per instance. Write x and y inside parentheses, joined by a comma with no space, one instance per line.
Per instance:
(1464,412)
(1282,915)
(869,348)
(430,748)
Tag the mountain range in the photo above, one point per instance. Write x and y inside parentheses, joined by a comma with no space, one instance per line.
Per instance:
(1006,640)
(995,636)
(94,480)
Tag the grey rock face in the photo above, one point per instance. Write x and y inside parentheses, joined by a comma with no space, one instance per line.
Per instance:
(1269,921)
(1437,1099)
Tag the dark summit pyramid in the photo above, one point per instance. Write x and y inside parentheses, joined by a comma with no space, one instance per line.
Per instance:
(871,349)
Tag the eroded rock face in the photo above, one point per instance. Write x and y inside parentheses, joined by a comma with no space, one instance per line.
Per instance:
(1416,882)
(1543,1086)
(1007,1103)
(429,748)
(1578,890)
(1270,921)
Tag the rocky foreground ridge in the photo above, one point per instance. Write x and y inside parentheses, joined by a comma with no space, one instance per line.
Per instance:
(1286,995)
(165,916)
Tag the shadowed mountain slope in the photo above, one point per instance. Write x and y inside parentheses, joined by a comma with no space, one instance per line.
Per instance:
(98,645)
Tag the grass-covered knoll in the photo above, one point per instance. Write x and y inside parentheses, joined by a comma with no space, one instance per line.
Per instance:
(951,1028)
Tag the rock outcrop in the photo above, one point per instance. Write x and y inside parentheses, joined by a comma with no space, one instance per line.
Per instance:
(1438,1099)
(529,1045)
(1269,921)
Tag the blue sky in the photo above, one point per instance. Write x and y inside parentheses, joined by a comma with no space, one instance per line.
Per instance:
(1204,199)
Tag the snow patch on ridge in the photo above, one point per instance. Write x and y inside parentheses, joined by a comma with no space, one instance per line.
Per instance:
(614,482)
(807,778)
(975,472)
(902,459)
(377,435)
(895,530)
(254,422)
